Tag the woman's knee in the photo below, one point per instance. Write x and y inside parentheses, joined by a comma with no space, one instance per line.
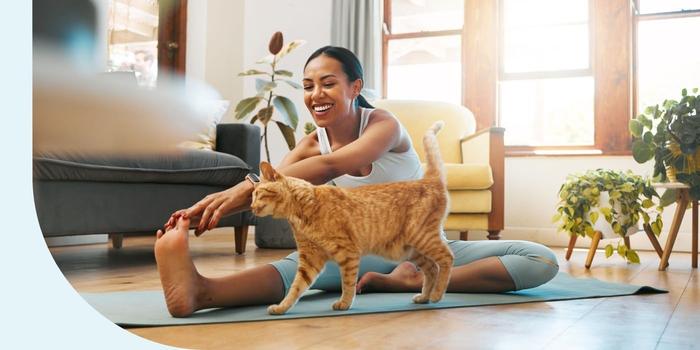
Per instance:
(537,265)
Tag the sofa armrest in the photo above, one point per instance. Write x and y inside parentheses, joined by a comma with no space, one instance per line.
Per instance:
(479,146)
(486,147)
(241,140)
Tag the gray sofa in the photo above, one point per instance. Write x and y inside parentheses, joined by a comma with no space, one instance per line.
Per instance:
(80,194)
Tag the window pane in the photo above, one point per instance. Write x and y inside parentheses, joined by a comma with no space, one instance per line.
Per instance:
(656,6)
(545,35)
(133,39)
(667,61)
(409,16)
(425,69)
(547,112)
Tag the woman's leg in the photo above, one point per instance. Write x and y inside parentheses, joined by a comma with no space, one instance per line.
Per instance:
(480,267)
(186,291)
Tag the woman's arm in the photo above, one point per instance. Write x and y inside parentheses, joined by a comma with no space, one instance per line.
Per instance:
(381,135)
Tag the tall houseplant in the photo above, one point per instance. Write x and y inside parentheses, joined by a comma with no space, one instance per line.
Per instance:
(275,108)
(670,134)
(629,198)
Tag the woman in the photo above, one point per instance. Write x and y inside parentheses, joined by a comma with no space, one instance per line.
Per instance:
(353,145)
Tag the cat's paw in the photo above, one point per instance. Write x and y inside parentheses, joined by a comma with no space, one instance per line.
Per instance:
(420,299)
(435,297)
(276,310)
(341,305)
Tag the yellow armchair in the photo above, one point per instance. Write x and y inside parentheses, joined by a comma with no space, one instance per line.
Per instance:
(474,162)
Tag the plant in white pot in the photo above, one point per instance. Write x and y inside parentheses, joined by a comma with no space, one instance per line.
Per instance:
(611,202)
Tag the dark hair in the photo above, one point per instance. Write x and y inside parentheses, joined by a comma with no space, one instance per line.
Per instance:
(350,63)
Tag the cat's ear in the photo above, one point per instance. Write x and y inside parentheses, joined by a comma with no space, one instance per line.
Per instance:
(268,173)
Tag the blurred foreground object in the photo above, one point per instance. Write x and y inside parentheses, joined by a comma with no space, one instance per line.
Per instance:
(75,110)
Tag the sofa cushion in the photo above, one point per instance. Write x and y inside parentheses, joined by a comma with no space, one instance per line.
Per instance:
(182,167)
(470,176)
(470,201)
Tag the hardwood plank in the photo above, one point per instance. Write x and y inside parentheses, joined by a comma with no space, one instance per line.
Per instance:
(593,323)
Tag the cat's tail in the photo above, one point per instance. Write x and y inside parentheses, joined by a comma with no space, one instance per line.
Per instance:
(435,166)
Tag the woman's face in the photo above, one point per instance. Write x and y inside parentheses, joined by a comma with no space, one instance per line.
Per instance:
(327,92)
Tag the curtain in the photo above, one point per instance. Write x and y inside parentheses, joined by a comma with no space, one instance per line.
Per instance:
(356,25)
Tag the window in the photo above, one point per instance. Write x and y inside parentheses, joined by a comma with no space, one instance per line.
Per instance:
(422,49)
(133,39)
(135,28)
(558,75)
(666,61)
(546,81)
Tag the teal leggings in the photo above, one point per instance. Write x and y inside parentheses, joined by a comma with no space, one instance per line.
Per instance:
(529,264)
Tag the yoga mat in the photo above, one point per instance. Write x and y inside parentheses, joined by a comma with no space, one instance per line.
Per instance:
(147,308)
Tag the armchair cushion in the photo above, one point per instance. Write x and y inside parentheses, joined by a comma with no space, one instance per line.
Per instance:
(470,176)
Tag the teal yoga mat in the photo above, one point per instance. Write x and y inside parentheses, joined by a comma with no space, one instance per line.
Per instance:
(147,308)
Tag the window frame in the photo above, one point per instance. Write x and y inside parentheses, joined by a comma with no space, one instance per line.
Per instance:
(388,36)
(651,17)
(612,25)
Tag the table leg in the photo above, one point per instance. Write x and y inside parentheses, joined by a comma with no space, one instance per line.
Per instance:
(681,206)
(654,241)
(695,234)
(594,246)
(570,249)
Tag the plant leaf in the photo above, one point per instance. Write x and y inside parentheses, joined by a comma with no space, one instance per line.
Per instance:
(252,72)
(289,48)
(608,250)
(267,59)
(246,106)
(593,216)
(669,197)
(635,128)
(288,134)
(284,73)
(292,83)
(287,110)
(265,114)
(641,151)
(264,86)
(632,256)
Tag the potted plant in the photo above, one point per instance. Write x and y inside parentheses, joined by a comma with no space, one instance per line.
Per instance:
(620,198)
(275,108)
(670,134)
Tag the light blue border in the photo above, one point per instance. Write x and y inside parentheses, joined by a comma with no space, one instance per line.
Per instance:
(40,308)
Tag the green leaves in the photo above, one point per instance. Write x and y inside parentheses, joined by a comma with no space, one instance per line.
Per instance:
(642,151)
(246,106)
(288,134)
(636,128)
(628,198)
(284,73)
(264,86)
(288,111)
(608,250)
(252,72)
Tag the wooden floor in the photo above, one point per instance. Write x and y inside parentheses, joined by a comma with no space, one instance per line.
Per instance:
(664,321)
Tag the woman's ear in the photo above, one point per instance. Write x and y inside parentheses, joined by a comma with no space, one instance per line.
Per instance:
(268,172)
(357,87)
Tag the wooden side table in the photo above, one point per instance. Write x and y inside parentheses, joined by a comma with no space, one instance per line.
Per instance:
(681,206)
(598,236)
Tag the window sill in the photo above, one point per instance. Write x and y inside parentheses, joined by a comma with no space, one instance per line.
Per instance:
(519,152)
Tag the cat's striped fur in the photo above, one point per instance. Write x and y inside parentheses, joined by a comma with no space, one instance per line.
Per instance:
(399,221)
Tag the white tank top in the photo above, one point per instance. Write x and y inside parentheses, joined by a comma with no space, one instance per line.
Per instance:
(390,167)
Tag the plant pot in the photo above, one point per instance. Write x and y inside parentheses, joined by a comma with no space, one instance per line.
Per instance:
(273,233)
(604,227)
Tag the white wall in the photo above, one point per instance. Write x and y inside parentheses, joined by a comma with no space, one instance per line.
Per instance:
(308,20)
(531,188)
(215,31)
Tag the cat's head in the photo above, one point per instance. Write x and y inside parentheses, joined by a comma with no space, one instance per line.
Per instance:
(277,195)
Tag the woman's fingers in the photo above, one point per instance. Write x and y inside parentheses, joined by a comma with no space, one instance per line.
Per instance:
(206,215)
(225,207)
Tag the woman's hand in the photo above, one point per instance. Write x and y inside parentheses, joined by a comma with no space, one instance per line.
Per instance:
(207,212)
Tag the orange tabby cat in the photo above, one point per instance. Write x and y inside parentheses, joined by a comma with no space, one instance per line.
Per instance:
(399,221)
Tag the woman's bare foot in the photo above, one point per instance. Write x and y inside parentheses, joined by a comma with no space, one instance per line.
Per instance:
(404,278)
(180,279)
